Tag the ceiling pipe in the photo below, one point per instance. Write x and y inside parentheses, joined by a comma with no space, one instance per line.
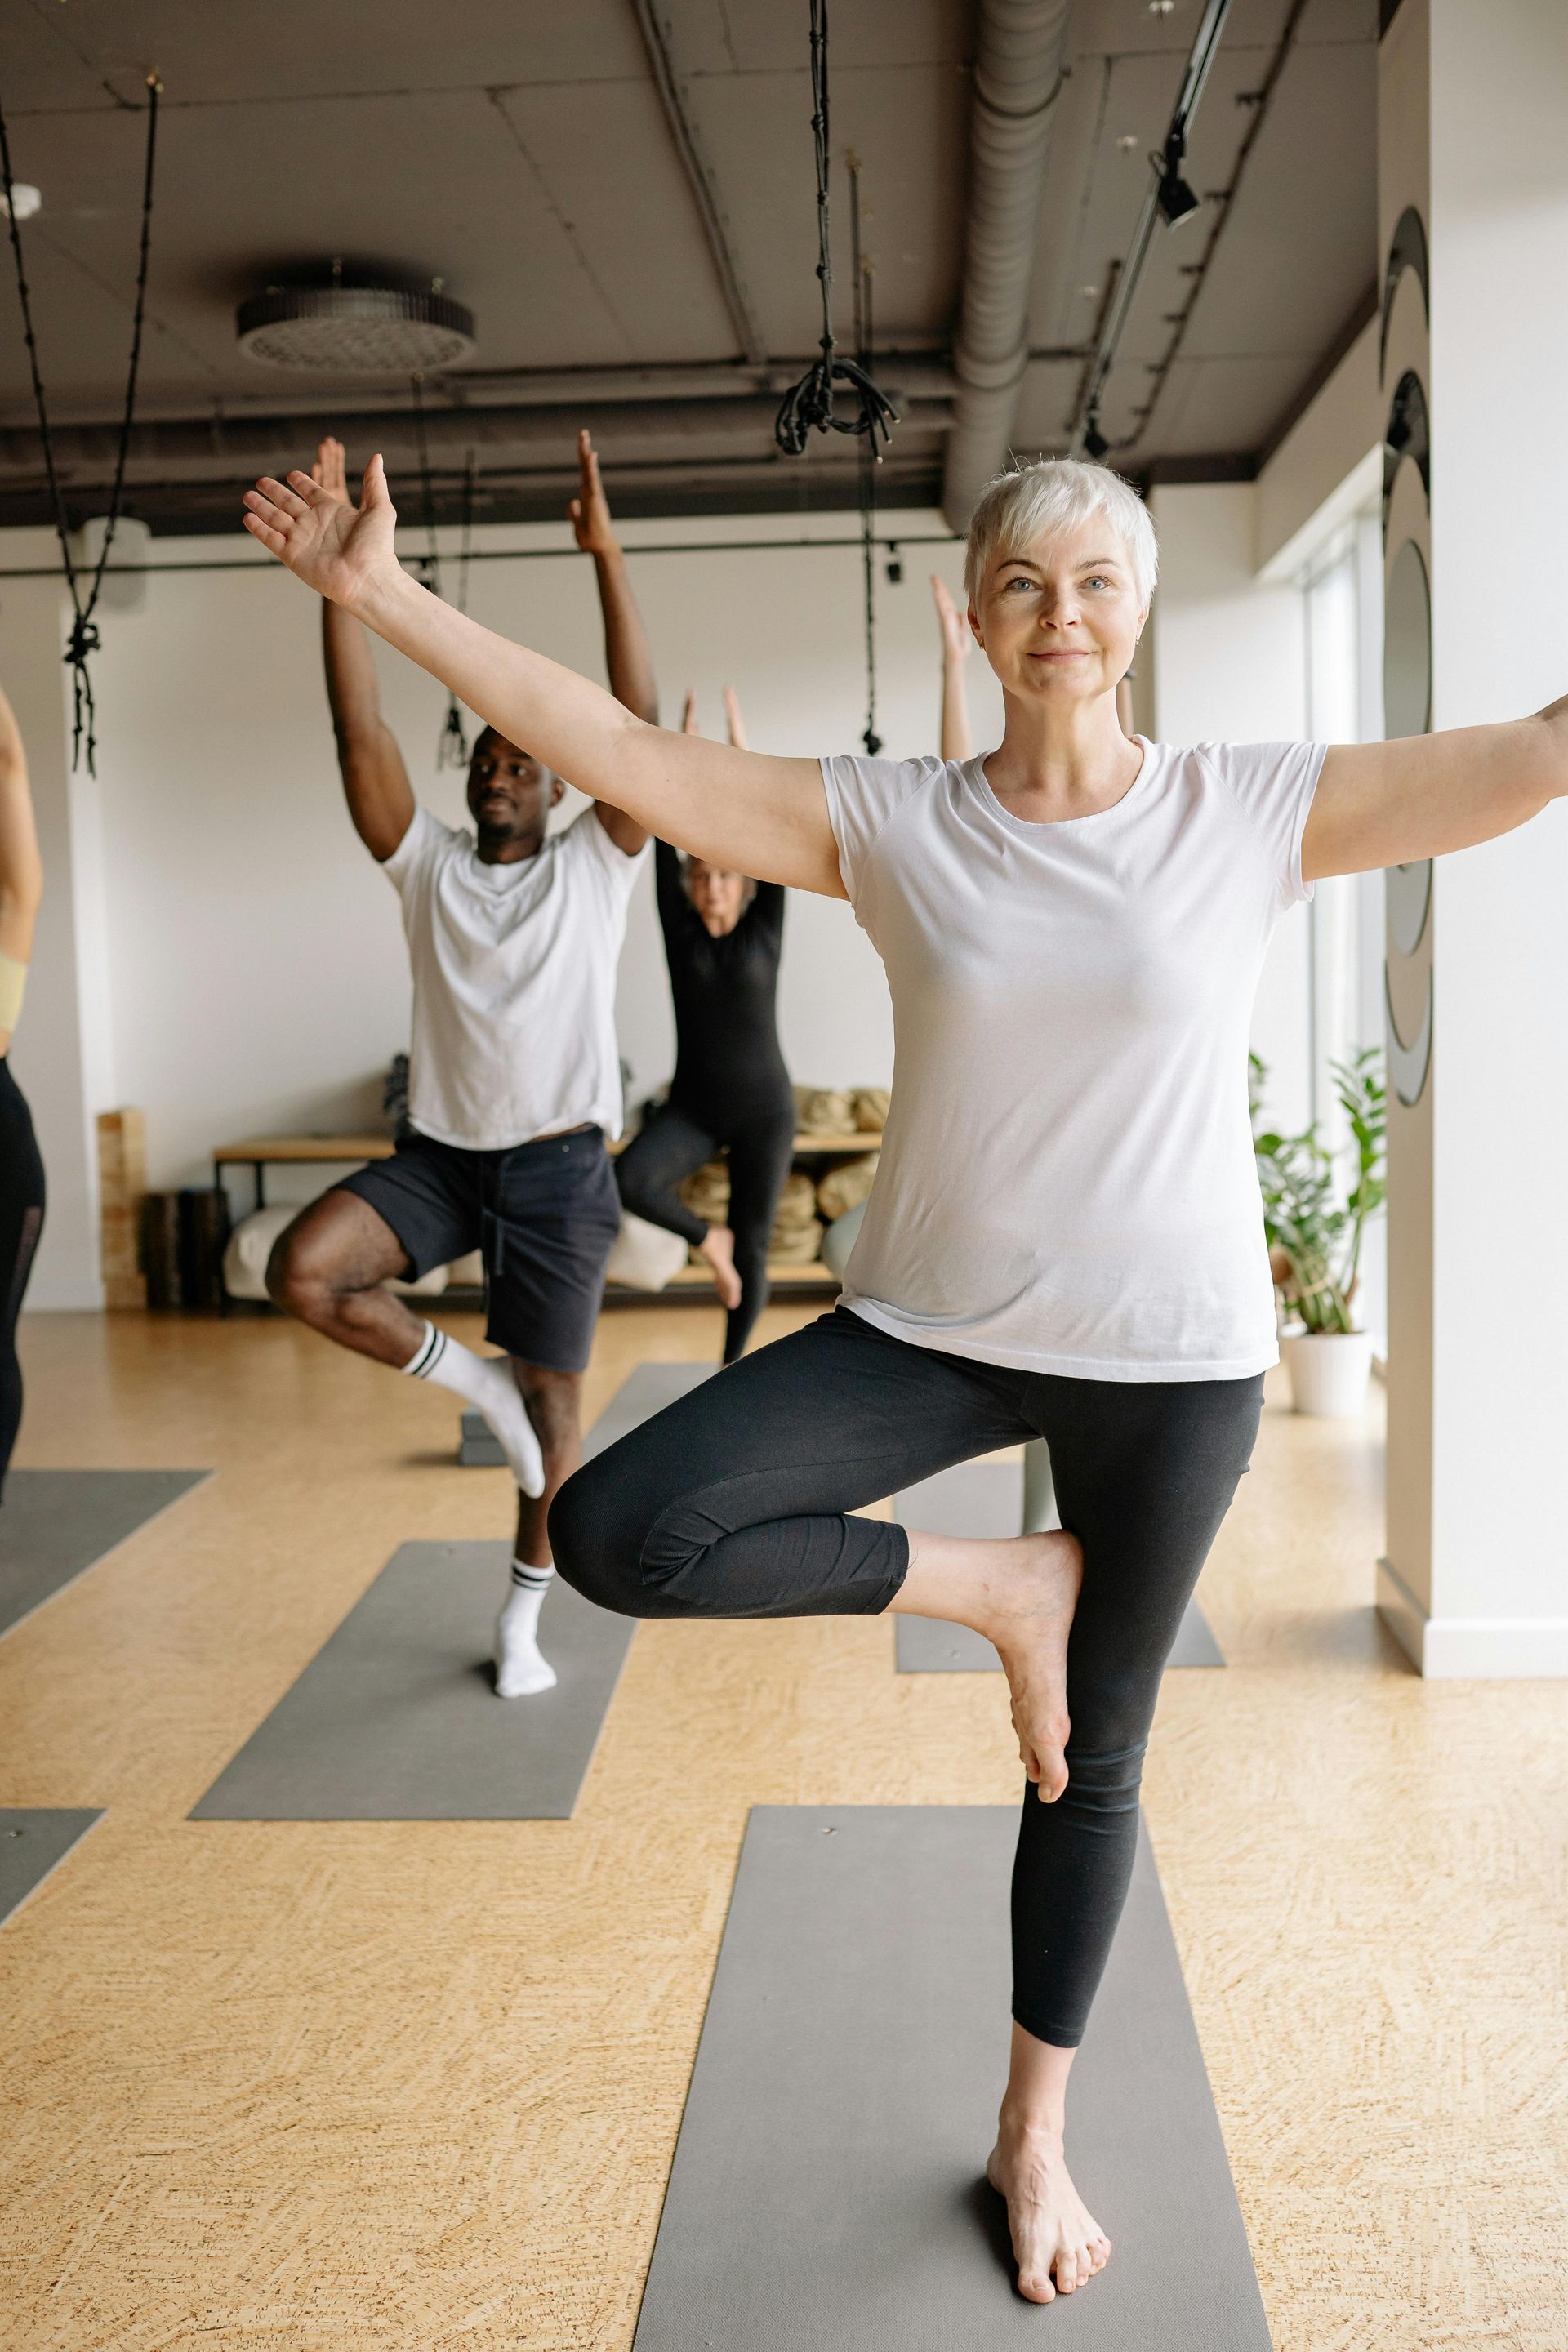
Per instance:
(1018,76)
(224,448)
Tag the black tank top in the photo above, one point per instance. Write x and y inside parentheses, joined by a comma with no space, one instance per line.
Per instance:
(725,990)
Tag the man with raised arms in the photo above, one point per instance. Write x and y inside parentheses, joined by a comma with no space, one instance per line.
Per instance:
(514,936)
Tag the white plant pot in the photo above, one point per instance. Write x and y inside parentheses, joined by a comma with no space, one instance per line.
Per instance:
(1329,1371)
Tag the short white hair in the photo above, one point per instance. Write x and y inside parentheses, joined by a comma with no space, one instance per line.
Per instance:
(1027,503)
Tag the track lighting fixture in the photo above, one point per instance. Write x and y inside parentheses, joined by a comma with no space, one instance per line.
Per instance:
(1173,195)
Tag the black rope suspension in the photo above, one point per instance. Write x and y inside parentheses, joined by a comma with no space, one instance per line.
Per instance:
(868,460)
(430,562)
(808,406)
(452,745)
(452,752)
(84,640)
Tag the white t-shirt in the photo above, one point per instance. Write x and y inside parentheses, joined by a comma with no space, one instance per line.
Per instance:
(514,983)
(1068,1181)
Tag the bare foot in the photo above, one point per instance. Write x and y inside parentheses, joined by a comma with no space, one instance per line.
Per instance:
(1057,2243)
(718,1249)
(1031,1593)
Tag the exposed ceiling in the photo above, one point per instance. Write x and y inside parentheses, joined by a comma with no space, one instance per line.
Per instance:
(526,154)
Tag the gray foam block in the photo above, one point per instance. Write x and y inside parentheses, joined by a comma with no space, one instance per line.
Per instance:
(33,1840)
(986,1498)
(395,1718)
(647,1390)
(55,1524)
(478,1448)
(828,2193)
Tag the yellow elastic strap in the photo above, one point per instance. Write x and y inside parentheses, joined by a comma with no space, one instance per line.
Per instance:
(13,984)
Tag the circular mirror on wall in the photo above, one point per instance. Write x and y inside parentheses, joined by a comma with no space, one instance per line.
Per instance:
(1407,645)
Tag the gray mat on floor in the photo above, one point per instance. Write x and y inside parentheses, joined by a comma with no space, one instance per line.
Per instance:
(33,1839)
(986,1498)
(395,1718)
(54,1524)
(826,2193)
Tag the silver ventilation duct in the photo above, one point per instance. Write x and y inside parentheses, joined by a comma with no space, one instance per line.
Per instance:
(1018,74)
(342,330)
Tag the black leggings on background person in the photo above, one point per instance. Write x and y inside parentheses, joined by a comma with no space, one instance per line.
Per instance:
(758,1139)
(733,1504)
(730,1090)
(21,1222)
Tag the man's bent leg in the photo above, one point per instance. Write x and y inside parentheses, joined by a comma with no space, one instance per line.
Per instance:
(327,1270)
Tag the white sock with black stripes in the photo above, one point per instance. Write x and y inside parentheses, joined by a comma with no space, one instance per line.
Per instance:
(486,1382)
(519,1669)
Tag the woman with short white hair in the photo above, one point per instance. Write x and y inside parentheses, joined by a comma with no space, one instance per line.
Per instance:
(1064,1239)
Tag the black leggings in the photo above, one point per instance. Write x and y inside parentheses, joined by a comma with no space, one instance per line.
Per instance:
(21,1222)
(674,1144)
(732,1503)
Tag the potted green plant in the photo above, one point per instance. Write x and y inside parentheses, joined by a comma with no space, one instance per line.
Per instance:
(1316,1223)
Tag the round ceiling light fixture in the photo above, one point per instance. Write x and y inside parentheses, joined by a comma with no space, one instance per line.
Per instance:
(346,329)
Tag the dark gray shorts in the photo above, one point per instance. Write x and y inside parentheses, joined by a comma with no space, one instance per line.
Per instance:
(545,1216)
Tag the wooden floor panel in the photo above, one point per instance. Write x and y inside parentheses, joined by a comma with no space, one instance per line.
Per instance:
(314,2087)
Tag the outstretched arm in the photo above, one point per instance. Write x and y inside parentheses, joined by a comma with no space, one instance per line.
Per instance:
(1421,795)
(375,781)
(21,867)
(627,656)
(956,740)
(767,817)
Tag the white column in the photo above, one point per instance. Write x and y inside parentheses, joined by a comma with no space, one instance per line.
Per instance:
(60,1052)
(1473,169)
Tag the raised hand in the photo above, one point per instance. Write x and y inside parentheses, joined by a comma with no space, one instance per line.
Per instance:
(339,551)
(329,472)
(733,713)
(689,715)
(590,509)
(956,638)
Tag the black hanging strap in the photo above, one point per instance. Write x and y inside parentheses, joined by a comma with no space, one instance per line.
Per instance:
(430,562)
(867,458)
(84,639)
(452,746)
(452,752)
(808,407)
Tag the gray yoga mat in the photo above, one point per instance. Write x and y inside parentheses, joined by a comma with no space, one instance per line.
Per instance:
(827,2191)
(395,1718)
(54,1524)
(986,1498)
(32,1841)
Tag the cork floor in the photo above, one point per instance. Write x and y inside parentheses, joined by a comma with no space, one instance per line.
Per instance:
(318,2087)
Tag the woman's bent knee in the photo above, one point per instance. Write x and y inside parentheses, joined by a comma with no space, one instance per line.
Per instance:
(596,1542)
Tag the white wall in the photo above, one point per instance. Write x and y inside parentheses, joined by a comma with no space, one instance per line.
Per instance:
(256,974)
(1328,464)
(1230,666)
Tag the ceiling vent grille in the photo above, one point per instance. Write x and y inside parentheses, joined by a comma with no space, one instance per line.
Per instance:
(355,329)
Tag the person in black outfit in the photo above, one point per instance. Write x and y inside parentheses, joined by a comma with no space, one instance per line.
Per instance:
(21,1168)
(723,936)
